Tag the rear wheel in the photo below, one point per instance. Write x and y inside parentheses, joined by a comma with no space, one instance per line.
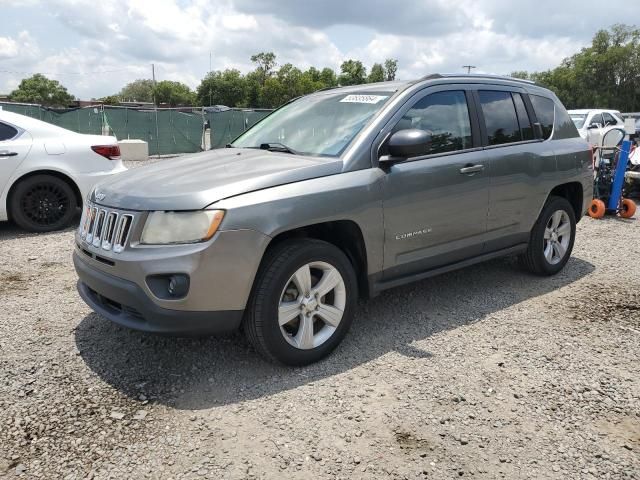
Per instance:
(627,208)
(552,237)
(303,302)
(43,203)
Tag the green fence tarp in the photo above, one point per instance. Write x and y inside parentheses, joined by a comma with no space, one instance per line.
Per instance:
(177,131)
(228,124)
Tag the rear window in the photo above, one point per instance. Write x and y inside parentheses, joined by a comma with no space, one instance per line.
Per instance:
(500,117)
(7,132)
(545,111)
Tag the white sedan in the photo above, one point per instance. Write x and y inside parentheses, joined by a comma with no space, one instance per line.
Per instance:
(46,171)
(593,123)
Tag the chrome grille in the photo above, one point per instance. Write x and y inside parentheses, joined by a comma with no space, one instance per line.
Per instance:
(105,228)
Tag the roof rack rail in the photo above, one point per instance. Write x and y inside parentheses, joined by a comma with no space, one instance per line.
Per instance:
(477,75)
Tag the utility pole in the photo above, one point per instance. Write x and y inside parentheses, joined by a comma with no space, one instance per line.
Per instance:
(155,105)
(210,93)
(468,67)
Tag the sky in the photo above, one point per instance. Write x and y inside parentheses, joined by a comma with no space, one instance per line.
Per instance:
(95,47)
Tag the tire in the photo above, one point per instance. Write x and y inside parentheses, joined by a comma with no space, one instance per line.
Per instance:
(597,208)
(276,292)
(627,208)
(43,203)
(553,233)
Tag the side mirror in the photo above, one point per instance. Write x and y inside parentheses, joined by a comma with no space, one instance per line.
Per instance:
(406,144)
(593,125)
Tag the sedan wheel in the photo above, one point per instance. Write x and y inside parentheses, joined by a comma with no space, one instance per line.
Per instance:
(43,203)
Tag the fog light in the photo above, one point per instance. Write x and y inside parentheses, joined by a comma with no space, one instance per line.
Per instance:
(178,285)
(169,286)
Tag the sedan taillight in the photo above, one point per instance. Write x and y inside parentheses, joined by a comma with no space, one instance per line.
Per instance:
(112,152)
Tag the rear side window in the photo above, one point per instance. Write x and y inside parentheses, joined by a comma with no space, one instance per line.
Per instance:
(526,130)
(545,111)
(500,117)
(7,132)
(445,116)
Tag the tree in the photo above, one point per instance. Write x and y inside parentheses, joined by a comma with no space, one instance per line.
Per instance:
(173,93)
(607,73)
(222,88)
(377,73)
(138,91)
(40,89)
(390,69)
(266,62)
(521,74)
(110,100)
(328,77)
(353,73)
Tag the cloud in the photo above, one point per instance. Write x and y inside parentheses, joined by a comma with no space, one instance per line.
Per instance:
(94,48)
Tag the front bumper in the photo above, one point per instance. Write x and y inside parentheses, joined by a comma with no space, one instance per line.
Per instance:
(126,304)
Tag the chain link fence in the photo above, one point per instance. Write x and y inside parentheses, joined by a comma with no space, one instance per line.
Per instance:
(167,130)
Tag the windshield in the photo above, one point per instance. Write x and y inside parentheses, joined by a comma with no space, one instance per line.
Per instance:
(320,125)
(578,119)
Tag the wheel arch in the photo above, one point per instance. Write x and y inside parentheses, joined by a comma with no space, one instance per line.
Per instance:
(343,234)
(572,191)
(54,173)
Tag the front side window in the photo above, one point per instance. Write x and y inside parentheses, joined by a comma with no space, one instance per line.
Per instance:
(609,119)
(597,119)
(545,112)
(318,125)
(445,116)
(7,132)
(500,117)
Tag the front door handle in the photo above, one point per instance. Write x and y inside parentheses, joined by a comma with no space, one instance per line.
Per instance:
(471,169)
(8,154)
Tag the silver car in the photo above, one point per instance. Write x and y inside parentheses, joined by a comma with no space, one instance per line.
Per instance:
(336,195)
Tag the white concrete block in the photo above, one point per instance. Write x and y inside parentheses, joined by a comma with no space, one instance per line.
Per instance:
(134,150)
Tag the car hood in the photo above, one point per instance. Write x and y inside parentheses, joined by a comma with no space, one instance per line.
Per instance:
(196,181)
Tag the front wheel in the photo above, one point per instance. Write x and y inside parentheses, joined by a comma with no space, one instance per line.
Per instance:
(302,303)
(43,203)
(552,237)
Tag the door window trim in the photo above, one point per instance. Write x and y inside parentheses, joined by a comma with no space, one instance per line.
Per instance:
(528,107)
(385,132)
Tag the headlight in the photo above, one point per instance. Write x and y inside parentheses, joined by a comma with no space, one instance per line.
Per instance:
(163,228)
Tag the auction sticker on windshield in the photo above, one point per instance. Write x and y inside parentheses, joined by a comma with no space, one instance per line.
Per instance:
(363,98)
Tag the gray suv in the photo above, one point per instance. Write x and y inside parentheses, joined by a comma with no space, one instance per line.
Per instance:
(336,195)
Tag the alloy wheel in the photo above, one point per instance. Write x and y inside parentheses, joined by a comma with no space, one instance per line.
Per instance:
(557,236)
(312,305)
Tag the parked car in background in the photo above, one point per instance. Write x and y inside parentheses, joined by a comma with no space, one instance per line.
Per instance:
(339,194)
(593,123)
(46,171)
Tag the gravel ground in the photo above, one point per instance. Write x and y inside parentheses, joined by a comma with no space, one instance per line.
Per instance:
(487,372)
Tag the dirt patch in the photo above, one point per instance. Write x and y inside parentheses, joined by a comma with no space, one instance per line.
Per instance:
(607,303)
(12,281)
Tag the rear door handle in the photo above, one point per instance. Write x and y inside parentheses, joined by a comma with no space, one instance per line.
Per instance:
(471,169)
(8,154)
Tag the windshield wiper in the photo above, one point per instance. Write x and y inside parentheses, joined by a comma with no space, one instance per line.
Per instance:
(277,147)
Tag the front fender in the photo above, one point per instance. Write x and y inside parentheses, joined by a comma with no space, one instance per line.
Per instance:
(354,196)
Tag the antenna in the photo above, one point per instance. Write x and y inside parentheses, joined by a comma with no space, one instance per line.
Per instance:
(468,67)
